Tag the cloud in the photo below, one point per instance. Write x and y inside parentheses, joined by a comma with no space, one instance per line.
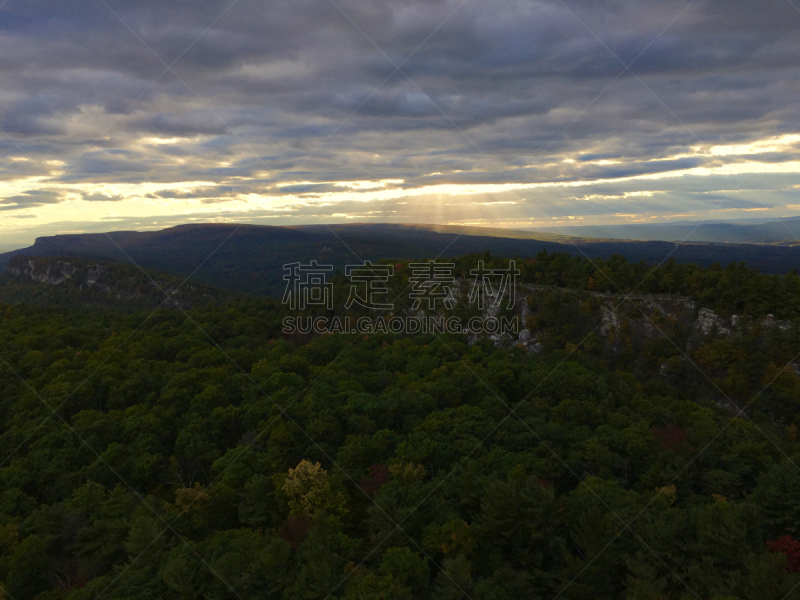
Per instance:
(495,92)
(308,188)
(31,198)
(182,125)
(101,197)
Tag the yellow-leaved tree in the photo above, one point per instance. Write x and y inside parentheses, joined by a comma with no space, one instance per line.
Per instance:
(309,490)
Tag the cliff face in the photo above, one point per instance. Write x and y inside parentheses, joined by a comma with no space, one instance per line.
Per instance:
(81,281)
(617,319)
(53,273)
(79,273)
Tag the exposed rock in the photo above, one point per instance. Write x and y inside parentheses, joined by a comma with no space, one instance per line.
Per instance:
(610,320)
(52,273)
(98,282)
(93,274)
(708,321)
(650,329)
(769,322)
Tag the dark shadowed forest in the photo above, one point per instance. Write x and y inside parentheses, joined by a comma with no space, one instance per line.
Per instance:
(200,453)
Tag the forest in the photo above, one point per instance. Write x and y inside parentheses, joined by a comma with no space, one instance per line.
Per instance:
(202,454)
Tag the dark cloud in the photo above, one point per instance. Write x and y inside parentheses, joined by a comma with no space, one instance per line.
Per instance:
(204,193)
(106,163)
(310,188)
(31,198)
(180,125)
(101,197)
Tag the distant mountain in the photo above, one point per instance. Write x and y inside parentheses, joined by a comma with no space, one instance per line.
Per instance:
(771,232)
(250,258)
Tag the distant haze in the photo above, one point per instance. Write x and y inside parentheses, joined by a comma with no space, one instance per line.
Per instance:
(738,231)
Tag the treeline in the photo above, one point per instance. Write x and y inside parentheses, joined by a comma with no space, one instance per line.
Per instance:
(735,289)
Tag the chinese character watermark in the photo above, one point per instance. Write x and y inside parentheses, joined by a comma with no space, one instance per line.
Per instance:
(371,280)
(487,287)
(307,285)
(431,282)
(433,287)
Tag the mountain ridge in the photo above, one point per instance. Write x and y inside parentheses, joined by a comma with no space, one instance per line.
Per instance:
(250,258)
(778,231)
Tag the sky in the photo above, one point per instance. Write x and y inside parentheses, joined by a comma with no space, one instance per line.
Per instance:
(516,114)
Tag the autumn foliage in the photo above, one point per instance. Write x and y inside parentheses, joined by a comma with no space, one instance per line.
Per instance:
(791,548)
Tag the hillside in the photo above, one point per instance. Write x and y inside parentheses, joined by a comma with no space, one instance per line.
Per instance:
(249,258)
(160,456)
(81,283)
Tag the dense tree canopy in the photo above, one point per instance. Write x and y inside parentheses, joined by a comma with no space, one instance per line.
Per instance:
(201,454)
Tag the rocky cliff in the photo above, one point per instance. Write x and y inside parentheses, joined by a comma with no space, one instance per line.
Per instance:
(60,281)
